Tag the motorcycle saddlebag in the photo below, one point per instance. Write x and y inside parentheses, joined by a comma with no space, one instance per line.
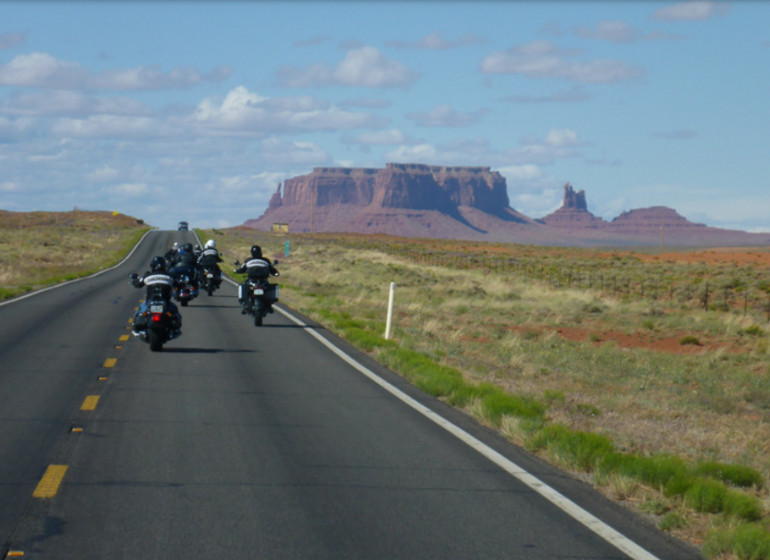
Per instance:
(271,292)
(140,322)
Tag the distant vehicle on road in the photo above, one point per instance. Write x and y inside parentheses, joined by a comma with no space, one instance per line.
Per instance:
(182,226)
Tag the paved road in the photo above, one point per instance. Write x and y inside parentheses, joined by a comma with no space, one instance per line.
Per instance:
(246,443)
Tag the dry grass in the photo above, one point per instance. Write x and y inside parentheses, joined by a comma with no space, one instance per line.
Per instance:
(42,248)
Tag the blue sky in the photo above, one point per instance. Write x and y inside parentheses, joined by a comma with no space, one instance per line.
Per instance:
(197,110)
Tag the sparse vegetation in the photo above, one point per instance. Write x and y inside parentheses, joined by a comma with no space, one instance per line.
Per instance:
(39,249)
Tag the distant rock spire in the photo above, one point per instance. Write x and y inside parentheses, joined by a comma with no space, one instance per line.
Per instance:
(572,199)
(275,200)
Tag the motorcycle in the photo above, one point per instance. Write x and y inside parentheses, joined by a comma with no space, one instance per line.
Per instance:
(155,325)
(188,288)
(259,297)
(210,281)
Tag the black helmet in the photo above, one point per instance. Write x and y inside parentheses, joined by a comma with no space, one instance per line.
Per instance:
(256,251)
(187,247)
(158,264)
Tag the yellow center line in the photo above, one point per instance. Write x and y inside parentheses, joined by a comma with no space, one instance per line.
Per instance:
(90,402)
(49,484)
(123,338)
(110,362)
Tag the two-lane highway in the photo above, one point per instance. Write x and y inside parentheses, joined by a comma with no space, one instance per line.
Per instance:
(245,442)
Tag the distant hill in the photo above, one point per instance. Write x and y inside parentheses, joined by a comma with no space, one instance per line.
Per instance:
(470,203)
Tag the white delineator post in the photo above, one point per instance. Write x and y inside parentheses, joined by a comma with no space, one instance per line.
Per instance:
(390,310)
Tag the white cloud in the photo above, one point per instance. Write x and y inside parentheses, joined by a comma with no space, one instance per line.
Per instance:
(559,144)
(562,137)
(251,113)
(111,126)
(14,129)
(691,11)
(130,189)
(393,137)
(42,70)
(60,102)
(444,115)
(297,153)
(423,153)
(612,31)
(104,174)
(362,67)
(434,41)
(11,187)
(541,59)
(11,40)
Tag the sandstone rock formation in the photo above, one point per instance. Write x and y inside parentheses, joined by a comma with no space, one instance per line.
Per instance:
(470,203)
(573,213)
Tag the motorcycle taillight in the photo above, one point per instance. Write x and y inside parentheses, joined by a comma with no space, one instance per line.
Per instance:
(156,317)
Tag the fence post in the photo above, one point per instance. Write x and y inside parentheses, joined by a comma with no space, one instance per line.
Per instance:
(389,321)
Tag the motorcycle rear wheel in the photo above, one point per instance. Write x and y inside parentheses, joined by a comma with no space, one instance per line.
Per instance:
(156,341)
(258,313)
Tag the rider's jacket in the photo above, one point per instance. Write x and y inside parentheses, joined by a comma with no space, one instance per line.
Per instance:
(209,257)
(257,269)
(157,283)
(183,259)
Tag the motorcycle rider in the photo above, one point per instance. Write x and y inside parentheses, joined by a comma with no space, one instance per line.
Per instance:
(183,262)
(157,280)
(210,258)
(171,252)
(257,267)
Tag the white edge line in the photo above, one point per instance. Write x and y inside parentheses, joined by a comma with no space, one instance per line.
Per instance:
(596,525)
(68,282)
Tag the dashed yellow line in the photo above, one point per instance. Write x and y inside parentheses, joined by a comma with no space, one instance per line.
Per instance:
(123,338)
(110,362)
(90,402)
(49,484)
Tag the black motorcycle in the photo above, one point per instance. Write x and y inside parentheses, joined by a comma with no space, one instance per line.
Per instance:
(210,280)
(188,285)
(258,298)
(155,324)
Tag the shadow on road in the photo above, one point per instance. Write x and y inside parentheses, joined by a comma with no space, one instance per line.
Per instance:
(205,351)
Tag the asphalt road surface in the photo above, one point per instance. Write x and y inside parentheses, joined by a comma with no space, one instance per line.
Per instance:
(245,442)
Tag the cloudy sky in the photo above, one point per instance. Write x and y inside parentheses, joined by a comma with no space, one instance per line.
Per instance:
(197,110)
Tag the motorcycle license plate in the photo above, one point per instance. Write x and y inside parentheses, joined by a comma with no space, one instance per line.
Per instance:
(259,291)
(156,309)
(209,276)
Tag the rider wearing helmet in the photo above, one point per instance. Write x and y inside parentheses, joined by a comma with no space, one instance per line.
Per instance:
(183,263)
(157,281)
(257,267)
(210,258)
(171,252)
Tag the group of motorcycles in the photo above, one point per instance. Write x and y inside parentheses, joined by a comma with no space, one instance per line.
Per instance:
(158,320)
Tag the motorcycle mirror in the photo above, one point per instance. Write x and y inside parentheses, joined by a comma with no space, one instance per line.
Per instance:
(236,263)
(134,276)
(276,262)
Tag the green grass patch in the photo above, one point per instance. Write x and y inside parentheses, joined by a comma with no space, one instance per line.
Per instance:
(737,475)
(581,450)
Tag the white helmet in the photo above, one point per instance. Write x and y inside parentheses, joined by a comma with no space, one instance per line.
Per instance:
(211,244)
